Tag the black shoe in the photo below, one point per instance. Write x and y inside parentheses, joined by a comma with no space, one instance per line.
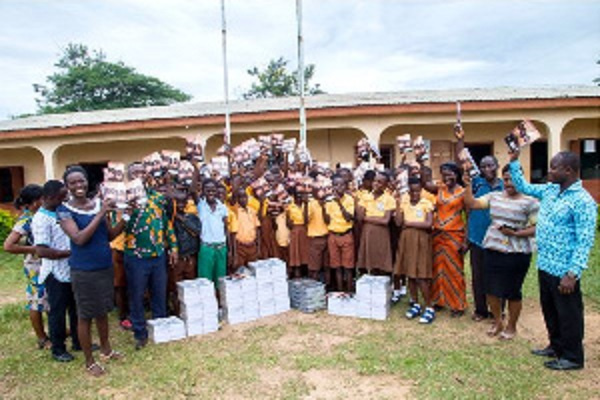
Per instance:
(562,364)
(545,352)
(95,347)
(64,357)
(140,343)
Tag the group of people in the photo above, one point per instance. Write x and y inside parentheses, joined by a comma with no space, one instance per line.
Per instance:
(83,254)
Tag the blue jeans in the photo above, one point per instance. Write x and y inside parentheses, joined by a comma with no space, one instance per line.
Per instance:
(142,274)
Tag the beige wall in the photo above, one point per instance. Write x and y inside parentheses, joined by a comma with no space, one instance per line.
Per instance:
(28,158)
(588,128)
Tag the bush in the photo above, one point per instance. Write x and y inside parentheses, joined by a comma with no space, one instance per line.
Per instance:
(7,221)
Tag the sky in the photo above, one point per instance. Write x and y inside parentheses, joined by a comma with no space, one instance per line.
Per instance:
(356,45)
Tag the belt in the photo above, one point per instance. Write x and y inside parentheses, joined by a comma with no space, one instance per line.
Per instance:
(342,233)
(215,245)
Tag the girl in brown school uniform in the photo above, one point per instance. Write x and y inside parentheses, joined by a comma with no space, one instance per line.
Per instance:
(375,211)
(298,249)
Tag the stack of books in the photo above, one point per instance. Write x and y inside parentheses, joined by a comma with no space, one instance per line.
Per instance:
(374,294)
(342,304)
(162,330)
(199,309)
(272,286)
(307,295)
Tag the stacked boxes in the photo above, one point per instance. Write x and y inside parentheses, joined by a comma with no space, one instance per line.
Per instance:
(162,330)
(307,295)
(199,307)
(342,304)
(239,298)
(374,294)
(272,286)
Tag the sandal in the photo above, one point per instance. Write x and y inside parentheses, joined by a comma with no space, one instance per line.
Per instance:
(413,311)
(96,370)
(507,336)
(428,316)
(113,355)
(494,330)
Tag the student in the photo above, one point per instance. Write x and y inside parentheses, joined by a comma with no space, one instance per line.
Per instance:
(92,275)
(212,258)
(52,245)
(317,232)
(187,232)
(298,249)
(246,233)
(339,214)
(375,212)
(29,201)
(415,215)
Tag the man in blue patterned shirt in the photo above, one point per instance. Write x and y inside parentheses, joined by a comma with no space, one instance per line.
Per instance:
(565,235)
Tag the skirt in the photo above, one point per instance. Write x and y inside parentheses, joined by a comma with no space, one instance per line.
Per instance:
(448,288)
(298,246)
(504,273)
(375,250)
(268,243)
(414,257)
(93,291)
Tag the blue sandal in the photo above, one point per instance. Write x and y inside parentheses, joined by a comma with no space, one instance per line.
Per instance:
(428,316)
(414,311)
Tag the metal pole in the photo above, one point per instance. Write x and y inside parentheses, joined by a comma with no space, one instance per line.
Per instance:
(301,74)
(225,74)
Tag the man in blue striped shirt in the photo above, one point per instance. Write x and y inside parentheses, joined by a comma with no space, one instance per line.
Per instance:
(565,235)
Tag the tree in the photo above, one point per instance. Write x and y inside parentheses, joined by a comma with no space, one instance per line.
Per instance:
(276,81)
(86,81)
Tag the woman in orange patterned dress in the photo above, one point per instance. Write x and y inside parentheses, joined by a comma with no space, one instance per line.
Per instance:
(449,245)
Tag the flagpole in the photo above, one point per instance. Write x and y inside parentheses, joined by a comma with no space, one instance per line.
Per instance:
(225,74)
(301,74)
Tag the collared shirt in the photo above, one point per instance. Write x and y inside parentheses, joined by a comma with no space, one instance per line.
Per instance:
(149,229)
(566,224)
(48,233)
(415,212)
(296,213)
(246,222)
(377,207)
(337,222)
(316,224)
(479,220)
(213,229)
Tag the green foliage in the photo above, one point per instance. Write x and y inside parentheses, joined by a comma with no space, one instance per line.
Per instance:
(7,220)
(276,81)
(86,81)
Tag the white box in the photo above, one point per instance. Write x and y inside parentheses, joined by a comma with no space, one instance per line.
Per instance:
(161,330)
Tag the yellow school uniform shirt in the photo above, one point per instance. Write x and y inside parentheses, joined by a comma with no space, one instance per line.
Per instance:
(190,207)
(337,222)
(361,194)
(377,207)
(316,224)
(417,212)
(244,224)
(254,203)
(296,213)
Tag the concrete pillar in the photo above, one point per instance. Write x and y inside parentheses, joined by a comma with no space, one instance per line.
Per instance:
(555,125)
(49,153)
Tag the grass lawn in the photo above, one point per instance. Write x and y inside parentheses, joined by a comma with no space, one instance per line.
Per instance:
(296,355)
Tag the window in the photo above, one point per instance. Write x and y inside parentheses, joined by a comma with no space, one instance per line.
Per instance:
(387,155)
(590,158)
(11,183)
(539,161)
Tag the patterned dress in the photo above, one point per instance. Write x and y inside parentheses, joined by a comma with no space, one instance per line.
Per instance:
(448,287)
(35,292)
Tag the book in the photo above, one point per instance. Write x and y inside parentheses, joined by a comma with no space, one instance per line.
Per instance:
(522,135)
(468,163)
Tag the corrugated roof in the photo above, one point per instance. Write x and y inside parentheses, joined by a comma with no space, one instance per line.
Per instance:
(182,110)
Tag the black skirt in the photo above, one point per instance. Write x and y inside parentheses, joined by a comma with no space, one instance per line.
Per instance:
(94,292)
(504,273)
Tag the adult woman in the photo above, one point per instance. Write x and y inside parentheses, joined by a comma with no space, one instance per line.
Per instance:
(508,249)
(449,241)
(29,200)
(85,223)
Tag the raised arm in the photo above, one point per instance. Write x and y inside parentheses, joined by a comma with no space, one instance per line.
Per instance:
(471,202)
(522,186)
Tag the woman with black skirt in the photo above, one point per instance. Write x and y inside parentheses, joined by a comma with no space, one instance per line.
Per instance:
(508,248)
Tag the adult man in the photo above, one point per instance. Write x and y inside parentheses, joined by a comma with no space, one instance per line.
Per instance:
(479,222)
(146,232)
(565,235)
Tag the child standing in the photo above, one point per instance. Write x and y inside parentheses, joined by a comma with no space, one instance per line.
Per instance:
(414,215)
(187,232)
(298,234)
(318,257)
(339,214)
(29,200)
(245,231)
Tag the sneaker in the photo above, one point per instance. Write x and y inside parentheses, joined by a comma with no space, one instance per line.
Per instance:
(396,296)
(402,291)
(125,324)
(141,343)
(63,357)
(414,311)
(428,316)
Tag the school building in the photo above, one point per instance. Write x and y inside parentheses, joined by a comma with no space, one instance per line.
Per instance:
(38,148)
